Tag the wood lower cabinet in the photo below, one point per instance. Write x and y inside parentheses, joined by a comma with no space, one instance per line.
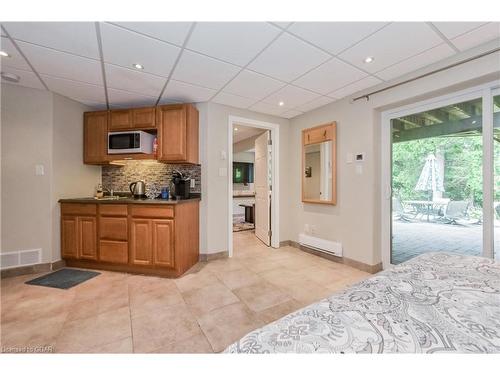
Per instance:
(141,245)
(78,237)
(154,239)
(163,242)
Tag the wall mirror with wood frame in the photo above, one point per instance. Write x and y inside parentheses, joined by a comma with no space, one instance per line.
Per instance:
(319,177)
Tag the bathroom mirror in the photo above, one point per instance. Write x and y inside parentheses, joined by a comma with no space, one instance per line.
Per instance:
(318,161)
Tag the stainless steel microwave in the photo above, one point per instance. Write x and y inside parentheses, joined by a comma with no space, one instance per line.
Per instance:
(131,142)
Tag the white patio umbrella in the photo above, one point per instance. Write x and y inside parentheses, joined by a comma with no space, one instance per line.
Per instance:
(430,179)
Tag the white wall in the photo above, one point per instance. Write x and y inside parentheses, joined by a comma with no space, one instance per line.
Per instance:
(214,119)
(26,142)
(39,127)
(355,220)
(70,178)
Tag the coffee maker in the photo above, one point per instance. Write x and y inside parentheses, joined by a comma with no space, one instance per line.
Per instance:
(181,185)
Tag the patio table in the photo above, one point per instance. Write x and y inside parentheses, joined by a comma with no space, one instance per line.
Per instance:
(428,205)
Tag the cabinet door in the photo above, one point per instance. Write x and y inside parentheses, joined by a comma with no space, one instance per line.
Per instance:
(163,242)
(318,135)
(87,237)
(144,118)
(95,137)
(141,241)
(172,133)
(120,119)
(69,243)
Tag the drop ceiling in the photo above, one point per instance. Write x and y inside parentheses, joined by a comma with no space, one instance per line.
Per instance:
(282,69)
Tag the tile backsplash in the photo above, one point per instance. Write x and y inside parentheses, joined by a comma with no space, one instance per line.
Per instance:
(119,178)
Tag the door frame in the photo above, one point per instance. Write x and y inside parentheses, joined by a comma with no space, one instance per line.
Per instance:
(275,199)
(484,91)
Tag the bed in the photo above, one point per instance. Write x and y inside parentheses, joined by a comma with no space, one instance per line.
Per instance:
(437,302)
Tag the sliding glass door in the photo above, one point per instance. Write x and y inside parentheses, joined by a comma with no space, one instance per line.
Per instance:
(441,177)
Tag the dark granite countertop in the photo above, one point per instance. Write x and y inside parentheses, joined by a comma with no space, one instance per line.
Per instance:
(128,200)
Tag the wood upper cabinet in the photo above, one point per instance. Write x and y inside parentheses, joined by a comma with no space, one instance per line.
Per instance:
(95,137)
(177,133)
(141,251)
(163,242)
(318,134)
(134,118)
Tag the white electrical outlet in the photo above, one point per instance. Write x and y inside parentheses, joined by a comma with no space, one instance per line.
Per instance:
(222,172)
(307,229)
(192,183)
(313,229)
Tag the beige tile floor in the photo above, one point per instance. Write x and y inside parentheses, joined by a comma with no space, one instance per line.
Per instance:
(202,312)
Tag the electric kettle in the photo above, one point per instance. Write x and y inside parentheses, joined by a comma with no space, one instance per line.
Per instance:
(138,189)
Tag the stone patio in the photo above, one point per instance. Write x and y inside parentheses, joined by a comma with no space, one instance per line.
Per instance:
(414,238)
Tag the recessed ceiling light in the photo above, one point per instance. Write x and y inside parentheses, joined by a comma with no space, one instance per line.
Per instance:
(4,54)
(281,104)
(369,59)
(235,129)
(10,77)
(138,66)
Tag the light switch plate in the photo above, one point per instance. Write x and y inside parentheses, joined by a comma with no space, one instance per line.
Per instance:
(359,169)
(39,170)
(349,158)
(222,172)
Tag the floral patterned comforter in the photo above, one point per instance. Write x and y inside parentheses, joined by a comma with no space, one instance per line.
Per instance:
(437,302)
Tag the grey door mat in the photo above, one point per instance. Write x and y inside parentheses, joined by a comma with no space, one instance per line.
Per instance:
(63,279)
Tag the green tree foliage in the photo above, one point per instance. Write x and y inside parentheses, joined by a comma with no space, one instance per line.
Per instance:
(462,166)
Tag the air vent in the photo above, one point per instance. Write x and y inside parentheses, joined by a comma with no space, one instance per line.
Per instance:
(21,258)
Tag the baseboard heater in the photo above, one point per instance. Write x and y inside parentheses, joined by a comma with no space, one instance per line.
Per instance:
(319,244)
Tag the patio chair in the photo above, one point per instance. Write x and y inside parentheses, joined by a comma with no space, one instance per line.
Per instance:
(398,210)
(455,210)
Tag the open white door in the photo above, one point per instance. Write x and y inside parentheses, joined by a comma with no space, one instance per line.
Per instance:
(262,189)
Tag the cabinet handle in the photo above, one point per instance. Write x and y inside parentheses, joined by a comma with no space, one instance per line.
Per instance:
(324,134)
(308,137)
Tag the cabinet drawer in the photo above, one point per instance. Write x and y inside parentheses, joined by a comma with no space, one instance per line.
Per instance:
(113,251)
(78,209)
(152,212)
(113,228)
(318,135)
(113,210)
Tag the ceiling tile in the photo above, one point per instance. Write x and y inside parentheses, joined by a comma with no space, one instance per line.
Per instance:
(392,44)
(79,91)
(230,41)
(156,57)
(79,38)
(291,96)
(291,113)
(253,85)
(267,108)
(172,32)
(355,87)
(121,98)
(416,62)
(233,100)
(288,58)
(27,78)
(330,76)
(478,36)
(334,37)
(133,80)
(61,64)
(15,60)
(316,103)
(454,29)
(203,71)
(187,93)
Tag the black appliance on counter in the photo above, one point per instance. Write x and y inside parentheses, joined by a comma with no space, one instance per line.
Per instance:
(181,185)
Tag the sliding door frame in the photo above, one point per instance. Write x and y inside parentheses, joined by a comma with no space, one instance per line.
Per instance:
(484,91)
